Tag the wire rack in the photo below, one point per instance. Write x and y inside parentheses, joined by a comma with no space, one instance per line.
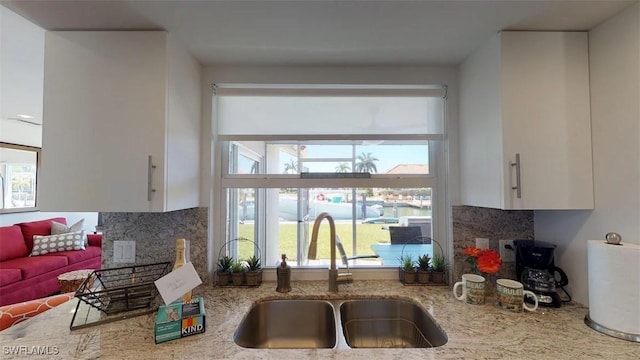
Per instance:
(384,333)
(223,250)
(422,240)
(127,291)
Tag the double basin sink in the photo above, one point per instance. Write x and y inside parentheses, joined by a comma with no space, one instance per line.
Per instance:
(346,323)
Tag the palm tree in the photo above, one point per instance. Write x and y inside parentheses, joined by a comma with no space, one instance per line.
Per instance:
(291,166)
(366,163)
(343,167)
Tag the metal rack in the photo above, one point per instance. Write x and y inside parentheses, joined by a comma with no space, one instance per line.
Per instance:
(117,293)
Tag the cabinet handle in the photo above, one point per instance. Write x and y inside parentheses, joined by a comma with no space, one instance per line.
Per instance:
(150,168)
(517,188)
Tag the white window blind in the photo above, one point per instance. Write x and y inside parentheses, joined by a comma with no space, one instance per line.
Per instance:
(330,110)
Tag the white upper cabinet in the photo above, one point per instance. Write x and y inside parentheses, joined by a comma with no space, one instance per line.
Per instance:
(526,95)
(113,100)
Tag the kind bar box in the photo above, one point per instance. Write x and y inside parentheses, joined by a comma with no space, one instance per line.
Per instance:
(178,319)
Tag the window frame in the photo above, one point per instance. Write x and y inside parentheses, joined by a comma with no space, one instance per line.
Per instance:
(438,158)
(38,154)
(262,182)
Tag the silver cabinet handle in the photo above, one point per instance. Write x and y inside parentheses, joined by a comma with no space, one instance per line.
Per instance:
(150,168)
(517,188)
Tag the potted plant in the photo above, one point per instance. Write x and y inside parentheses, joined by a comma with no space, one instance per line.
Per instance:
(423,268)
(254,270)
(237,273)
(224,268)
(408,270)
(438,269)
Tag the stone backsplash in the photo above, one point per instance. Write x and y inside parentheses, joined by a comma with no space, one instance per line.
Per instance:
(471,222)
(155,235)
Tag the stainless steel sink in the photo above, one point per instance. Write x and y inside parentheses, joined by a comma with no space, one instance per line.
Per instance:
(288,324)
(357,323)
(385,323)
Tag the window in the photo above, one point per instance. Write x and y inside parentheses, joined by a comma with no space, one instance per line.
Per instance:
(276,179)
(19,166)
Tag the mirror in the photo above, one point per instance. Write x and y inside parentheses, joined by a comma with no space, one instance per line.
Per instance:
(19,166)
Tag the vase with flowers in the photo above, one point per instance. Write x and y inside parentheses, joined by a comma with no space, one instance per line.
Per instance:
(485,262)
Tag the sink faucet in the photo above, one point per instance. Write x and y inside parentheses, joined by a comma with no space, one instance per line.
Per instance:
(333,271)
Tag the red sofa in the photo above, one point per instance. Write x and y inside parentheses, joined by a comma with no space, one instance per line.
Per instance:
(24,277)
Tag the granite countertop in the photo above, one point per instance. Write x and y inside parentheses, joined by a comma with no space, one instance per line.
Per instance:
(474,331)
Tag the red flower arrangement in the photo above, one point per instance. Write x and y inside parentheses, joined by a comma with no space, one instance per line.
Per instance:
(483,260)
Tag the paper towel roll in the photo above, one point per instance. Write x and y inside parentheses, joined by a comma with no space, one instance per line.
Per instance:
(614,285)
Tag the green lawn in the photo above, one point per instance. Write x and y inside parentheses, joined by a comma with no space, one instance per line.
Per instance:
(367,234)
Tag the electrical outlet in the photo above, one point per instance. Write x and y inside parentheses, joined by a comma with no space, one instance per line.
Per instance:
(482,243)
(507,251)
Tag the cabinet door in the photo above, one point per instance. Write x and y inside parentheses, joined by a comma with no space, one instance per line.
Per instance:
(546,119)
(104,115)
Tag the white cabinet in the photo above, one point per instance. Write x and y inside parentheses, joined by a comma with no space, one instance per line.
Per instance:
(527,94)
(112,100)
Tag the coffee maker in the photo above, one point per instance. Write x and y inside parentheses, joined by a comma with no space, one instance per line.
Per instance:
(536,270)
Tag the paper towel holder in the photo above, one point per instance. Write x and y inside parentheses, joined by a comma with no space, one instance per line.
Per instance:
(614,333)
(613,238)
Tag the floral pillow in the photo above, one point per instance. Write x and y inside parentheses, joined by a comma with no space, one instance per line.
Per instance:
(56,243)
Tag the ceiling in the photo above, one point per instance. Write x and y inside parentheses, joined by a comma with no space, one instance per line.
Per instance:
(272,32)
(307,32)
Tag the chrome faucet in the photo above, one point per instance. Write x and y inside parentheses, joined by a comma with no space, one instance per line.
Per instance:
(334,279)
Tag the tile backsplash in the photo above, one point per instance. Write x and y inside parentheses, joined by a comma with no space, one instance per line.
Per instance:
(471,222)
(155,235)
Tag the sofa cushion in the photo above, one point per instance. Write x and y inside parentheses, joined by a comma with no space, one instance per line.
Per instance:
(35,265)
(56,243)
(74,257)
(9,276)
(12,243)
(42,227)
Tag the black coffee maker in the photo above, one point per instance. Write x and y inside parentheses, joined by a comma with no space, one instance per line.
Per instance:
(535,269)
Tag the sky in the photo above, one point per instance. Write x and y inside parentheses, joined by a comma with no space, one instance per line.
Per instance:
(388,155)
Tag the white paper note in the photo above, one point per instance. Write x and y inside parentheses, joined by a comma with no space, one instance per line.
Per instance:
(176,283)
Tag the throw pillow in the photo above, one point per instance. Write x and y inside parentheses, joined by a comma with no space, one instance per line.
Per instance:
(58,228)
(56,243)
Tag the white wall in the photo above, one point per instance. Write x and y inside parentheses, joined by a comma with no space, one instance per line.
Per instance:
(90,219)
(614,56)
(21,91)
(21,78)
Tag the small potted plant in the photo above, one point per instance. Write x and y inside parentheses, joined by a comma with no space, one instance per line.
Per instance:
(237,273)
(253,271)
(439,266)
(423,268)
(224,268)
(408,269)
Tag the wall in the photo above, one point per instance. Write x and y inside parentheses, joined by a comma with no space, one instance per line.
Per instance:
(21,78)
(90,219)
(21,84)
(326,75)
(471,222)
(155,235)
(614,56)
